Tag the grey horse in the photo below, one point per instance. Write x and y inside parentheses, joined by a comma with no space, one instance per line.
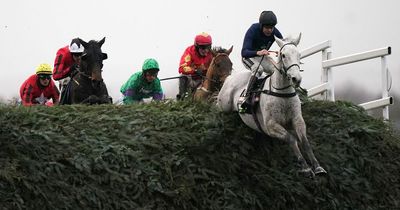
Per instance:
(279,107)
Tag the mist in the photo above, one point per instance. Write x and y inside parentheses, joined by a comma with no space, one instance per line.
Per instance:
(32,31)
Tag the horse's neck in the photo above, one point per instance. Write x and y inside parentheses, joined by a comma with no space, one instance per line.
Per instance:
(207,84)
(278,83)
(269,65)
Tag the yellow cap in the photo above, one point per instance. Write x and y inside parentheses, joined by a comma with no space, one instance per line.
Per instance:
(44,68)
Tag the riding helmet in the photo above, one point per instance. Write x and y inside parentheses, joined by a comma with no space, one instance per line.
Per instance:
(268,18)
(76,46)
(150,64)
(203,39)
(44,68)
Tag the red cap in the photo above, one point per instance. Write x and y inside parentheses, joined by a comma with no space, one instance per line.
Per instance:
(203,39)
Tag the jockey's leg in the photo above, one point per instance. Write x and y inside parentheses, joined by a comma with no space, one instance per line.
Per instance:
(252,64)
(63,83)
(183,87)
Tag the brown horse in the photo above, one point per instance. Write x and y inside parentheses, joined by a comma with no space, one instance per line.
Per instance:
(220,68)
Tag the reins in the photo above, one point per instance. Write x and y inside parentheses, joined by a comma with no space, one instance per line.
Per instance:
(211,79)
(283,72)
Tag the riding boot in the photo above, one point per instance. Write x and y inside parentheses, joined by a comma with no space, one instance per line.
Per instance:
(246,103)
(183,83)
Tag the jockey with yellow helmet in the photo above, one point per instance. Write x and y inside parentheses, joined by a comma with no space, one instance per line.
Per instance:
(39,88)
(143,84)
(194,63)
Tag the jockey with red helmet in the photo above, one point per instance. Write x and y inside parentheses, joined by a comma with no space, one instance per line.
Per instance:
(194,64)
(39,88)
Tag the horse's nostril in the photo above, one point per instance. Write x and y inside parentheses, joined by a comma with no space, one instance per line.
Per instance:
(294,80)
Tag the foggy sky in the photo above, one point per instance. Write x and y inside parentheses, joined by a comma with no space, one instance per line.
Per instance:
(32,31)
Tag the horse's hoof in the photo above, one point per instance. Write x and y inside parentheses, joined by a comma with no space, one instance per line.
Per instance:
(319,171)
(307,172)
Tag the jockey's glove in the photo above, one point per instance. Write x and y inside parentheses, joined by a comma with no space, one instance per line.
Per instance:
(73,69)
(198,72)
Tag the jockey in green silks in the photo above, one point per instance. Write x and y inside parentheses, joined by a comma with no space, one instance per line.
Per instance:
(143,84)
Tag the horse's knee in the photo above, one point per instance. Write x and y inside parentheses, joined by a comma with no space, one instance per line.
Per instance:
(275,130)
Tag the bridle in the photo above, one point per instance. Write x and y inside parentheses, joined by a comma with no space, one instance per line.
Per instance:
(283,71)
(213,79)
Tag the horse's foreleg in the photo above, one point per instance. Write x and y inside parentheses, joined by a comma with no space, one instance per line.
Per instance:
(300,128)
(277,131)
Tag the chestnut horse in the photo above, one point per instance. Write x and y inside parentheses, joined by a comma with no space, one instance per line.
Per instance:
(220,68)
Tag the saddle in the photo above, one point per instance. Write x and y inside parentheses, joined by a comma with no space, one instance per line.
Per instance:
(254,95)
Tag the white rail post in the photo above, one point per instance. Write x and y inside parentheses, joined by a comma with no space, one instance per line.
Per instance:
(385,87)
(324,74)
(330,93)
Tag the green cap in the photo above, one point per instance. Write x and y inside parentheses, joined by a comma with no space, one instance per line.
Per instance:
(150,63)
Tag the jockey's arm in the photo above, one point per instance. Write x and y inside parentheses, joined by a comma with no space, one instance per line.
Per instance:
(60,70)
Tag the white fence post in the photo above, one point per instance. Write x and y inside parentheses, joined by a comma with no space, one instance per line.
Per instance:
(326,88)
(330,93)
(385,87)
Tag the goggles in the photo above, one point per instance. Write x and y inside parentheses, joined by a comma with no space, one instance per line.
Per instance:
(203,47)
(153,74)
(77,54)
(44,76)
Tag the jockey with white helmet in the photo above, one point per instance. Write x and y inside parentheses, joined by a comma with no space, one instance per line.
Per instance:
(66,64)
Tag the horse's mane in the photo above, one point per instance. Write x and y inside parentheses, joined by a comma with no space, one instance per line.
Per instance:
(219,50)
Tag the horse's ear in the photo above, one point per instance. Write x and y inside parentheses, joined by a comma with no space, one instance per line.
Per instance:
(230,50)
(105,56)
(101,42)
(297,41)
(214,52)
(279,42)
(85,44)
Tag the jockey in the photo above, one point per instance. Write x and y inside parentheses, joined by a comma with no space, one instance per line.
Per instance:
(194,63)
(39,88)
(257,41)
(143,84)
(66,65)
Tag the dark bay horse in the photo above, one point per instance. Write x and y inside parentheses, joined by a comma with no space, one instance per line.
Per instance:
(87,86)
(220,68)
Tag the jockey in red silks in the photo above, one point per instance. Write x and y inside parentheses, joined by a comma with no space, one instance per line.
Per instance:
(39,88)
(194,64)
(66,64)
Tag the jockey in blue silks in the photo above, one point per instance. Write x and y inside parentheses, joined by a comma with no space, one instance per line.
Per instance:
(257,41)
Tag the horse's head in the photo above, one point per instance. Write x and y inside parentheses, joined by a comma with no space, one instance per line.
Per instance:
(92,59)
(221,65)
(289,59)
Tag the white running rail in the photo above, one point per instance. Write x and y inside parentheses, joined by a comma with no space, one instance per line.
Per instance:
(326,88)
